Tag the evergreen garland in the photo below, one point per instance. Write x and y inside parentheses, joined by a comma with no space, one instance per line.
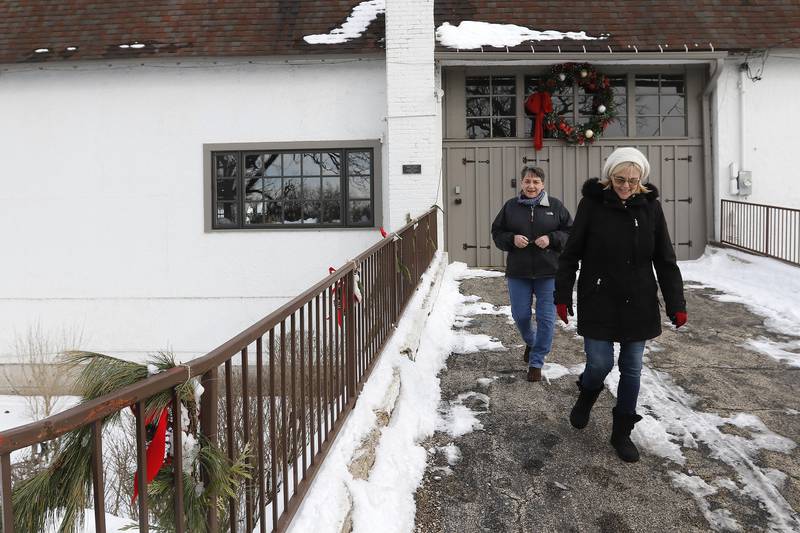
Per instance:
(62,491)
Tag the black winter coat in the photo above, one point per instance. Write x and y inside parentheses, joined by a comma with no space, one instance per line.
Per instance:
(550,218)
(618,246)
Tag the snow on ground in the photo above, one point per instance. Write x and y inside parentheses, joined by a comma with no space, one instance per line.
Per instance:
(385,502)
(670,425)
(357,22)
(767,287)
(470,35)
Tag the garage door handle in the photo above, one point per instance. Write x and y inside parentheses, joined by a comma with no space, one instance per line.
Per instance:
(468,246)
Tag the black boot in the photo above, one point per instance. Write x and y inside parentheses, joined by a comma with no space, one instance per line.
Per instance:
(579,416)
(526,356)
(621,435)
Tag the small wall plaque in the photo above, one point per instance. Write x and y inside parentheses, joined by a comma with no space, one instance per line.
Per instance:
(412,169)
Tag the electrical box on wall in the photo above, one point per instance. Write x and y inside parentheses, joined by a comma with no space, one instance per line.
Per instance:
(745,182)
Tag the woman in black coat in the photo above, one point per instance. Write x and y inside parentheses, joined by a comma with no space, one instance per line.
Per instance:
(532,228)
(619,236)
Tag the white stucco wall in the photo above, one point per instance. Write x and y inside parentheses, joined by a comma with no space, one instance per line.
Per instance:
(103,195)
(772,111)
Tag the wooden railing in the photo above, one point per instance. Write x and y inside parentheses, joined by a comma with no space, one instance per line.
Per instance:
(763,229)
(311,357)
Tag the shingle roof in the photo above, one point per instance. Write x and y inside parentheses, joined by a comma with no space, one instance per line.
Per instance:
(728,25)
(175,28)
(220,28)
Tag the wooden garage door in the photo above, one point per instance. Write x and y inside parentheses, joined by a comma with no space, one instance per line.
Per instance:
(480,177)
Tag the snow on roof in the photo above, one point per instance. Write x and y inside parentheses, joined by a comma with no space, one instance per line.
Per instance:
(359,20)
(472,34)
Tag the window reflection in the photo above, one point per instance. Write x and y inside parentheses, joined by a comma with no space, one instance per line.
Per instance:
(304,187)
(660,105)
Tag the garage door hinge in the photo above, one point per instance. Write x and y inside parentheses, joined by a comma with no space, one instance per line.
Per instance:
(535,160)
(465,161)
(687,243)
(687,200)
(468,246)
(687,158)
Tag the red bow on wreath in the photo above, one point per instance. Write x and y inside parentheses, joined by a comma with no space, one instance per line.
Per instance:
(538,104)
(155,450)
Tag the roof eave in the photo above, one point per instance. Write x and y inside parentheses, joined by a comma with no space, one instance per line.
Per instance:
(539,58)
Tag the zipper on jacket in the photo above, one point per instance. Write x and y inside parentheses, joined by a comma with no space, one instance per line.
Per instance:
(597,285)
(531,213)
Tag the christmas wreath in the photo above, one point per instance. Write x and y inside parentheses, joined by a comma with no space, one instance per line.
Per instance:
(564,76)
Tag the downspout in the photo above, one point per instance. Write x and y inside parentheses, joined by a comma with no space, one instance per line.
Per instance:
(709,170)
(742,121)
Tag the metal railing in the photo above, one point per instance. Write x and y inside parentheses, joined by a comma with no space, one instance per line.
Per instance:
(763,229)
(312,357)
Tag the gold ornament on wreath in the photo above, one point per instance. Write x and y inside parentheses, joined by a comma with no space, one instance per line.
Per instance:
(561,77)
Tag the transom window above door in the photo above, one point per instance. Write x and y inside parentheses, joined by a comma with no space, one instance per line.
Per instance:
(646,105)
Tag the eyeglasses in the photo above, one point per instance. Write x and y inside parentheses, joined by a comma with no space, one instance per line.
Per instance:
(619,180)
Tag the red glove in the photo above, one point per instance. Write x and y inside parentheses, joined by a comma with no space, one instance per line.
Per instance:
(563,310)
(679,319)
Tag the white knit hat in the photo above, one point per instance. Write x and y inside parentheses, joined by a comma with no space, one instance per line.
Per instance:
(624,155)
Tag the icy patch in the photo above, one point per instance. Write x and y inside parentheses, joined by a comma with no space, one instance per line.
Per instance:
(554,371)
(446,470)
(452,453)
(670,424)
(776,350)
(485,308)
(461,322)
(471,273)
(357,23)
(457,419)
(465,342)
(470,34)
(485,382)
(720,519)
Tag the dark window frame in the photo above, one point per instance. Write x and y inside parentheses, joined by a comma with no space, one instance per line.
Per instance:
(490,96)
(243,150)
(627,111)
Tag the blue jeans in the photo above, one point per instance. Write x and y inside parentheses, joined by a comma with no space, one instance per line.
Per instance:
(520,292)
(600,361)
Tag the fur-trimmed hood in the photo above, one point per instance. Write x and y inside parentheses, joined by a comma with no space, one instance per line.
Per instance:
(592,188)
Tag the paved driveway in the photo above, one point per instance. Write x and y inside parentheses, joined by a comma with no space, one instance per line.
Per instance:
(718,440)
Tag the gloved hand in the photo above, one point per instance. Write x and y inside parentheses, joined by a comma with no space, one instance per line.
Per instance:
(679,319)
(563,310)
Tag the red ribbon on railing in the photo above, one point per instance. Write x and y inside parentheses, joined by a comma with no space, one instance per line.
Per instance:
(340,302)
(538,104)
(155,451)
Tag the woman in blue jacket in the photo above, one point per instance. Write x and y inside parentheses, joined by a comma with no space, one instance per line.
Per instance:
(533,228)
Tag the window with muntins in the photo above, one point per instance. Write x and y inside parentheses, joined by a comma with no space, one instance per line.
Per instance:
(491,106)
(646,105)
(282,188)
(660,105)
